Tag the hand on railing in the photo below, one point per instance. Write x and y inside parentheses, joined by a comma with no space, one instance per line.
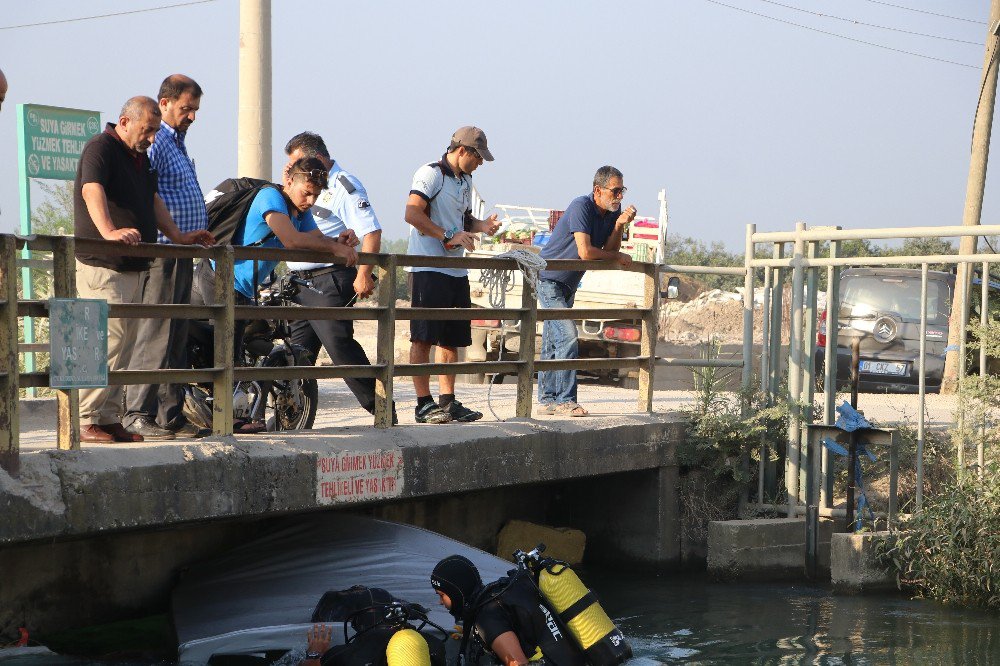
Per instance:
(348,253)
(623,260)
(201,237)
(128,235)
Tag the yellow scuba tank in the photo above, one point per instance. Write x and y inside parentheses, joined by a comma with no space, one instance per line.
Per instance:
(602,642)
(407,648)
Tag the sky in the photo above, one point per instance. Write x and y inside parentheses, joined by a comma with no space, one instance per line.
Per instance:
(741,118)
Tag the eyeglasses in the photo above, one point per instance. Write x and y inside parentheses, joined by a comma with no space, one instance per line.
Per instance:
(616,191)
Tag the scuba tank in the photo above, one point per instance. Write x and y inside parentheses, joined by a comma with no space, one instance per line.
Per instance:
(578,609)
(407,648)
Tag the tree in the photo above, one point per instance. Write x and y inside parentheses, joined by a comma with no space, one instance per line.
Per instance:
(924,247)
(54,217)
(398,246)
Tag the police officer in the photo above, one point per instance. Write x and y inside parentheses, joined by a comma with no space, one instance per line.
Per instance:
(342,205)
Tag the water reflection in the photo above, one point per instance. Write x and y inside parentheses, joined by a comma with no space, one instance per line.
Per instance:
(684,619)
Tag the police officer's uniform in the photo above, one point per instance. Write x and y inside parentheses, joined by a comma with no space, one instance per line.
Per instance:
(342,205)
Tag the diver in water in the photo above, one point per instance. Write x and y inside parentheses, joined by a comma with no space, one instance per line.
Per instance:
(508,619)
(384,631)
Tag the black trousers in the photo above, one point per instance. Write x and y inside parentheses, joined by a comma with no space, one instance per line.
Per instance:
(162,343)
(337,337)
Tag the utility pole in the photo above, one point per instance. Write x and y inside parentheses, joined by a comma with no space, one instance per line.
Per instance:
(973,195)
(253,156)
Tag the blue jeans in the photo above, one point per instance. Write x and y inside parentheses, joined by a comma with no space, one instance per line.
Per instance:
(558,342)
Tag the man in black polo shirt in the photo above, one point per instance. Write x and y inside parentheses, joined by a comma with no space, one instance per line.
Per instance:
(115,199)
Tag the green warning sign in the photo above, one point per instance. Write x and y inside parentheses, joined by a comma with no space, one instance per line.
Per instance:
(52,139)
(78,343)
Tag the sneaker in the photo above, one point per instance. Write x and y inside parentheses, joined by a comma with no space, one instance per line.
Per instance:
(461,413)
(148,429)
(431,413)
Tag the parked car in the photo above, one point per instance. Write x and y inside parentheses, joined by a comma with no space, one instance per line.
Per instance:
(881,306)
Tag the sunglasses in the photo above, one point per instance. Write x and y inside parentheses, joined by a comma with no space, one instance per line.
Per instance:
(473,152)
(316,175)
(616,191)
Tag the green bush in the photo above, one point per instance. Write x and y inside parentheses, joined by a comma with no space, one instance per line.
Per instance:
(729,427)
(948,550)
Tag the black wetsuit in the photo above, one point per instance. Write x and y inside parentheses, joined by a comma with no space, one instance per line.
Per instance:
(368,649)
(519,608)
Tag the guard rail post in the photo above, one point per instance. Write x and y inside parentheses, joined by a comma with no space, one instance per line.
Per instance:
(808,394)
(224,326)
(10,453)
(792,452)
(777,318)
(385,345)
(746,375)
(830,370)
(650,333)
(67,400)
(526,371)
(984,320)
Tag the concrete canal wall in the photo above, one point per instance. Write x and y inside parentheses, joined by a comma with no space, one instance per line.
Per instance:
(97,534)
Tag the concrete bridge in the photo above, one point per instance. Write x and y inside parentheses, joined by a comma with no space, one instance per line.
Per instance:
(100,532)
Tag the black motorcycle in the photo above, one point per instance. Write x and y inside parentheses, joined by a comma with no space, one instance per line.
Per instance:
(258,405)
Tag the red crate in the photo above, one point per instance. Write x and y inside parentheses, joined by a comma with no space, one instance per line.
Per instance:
(554,216)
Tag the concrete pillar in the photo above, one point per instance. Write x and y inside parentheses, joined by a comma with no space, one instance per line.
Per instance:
(254,120)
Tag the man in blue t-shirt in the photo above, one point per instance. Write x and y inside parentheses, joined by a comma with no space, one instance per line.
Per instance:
(283,213)
(591,228)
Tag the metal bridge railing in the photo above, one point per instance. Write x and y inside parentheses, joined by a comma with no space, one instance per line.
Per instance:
(384,370)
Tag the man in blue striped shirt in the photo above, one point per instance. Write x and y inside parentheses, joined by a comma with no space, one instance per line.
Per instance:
(155,410)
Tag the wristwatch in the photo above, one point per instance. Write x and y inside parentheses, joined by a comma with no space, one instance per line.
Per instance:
(313,655)
(448,235)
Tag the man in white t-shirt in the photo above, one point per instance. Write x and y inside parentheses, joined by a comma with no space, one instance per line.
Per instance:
(439,212)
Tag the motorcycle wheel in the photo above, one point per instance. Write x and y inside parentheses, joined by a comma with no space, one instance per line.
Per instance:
(283,410)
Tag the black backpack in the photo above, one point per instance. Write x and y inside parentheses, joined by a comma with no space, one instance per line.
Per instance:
(228,204)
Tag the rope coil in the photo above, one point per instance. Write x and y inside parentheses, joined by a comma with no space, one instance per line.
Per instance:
(499,281)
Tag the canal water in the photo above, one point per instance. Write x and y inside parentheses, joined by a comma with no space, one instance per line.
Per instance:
(676,619)
(688,619)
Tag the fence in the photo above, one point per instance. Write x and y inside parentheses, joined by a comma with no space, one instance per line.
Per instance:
(805,266)
(384,370)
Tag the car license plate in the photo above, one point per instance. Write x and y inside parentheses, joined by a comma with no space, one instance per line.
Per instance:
(883,368)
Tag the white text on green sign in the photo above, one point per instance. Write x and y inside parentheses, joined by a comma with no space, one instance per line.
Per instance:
(54,138)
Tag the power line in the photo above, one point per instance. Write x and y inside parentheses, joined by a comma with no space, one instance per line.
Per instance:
(923,11)
(870,25)
(99,16)
(850,39)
